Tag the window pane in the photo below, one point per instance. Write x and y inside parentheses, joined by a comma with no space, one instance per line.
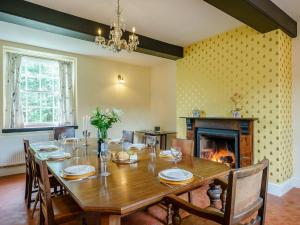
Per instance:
(23,96)
(33,67)
(56,101)
(55,115)
(55,85)
(22,83)
(46,84)
(46,100)
(33,115)
(47,115)
(33,84)
(33,99)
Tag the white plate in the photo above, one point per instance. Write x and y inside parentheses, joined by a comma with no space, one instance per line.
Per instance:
(175,175)
(79,170)
(59,155)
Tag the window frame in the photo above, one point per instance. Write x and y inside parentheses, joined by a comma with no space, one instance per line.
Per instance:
(44,56)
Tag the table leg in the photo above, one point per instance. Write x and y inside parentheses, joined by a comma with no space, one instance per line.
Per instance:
(165,141)
(107,219)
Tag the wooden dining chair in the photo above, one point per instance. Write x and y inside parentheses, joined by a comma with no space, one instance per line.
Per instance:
(186,146)
(31,186)
(54,209)
(67,132)
(246,196)
(128,136)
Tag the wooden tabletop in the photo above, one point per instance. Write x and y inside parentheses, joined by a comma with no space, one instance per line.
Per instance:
(129,187)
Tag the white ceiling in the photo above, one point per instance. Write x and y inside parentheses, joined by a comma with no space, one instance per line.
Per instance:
(180,22)
(29,36)
(291,7)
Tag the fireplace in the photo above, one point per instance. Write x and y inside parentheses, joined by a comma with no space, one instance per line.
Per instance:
(225,140)
(218,145)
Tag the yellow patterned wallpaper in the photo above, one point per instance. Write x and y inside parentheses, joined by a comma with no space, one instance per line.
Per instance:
(255,65)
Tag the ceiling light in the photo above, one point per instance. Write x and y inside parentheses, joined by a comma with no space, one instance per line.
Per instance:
(115,42)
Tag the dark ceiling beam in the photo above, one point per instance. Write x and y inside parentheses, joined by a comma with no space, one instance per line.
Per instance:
(262,15)
(42,18)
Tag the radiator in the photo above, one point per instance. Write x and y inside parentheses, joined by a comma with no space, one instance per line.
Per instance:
(12,150)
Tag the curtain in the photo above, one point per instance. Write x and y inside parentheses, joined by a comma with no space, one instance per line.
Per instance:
(13,110)
(66,113)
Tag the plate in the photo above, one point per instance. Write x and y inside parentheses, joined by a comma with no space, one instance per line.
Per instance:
(175,175)
(48,148)
(78,170)
(59,155)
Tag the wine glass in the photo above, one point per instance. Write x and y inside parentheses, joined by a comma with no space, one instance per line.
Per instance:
(176,154)
(105,157)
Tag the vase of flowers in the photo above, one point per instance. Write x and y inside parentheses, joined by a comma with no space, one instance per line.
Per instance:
(103,120)
(236,111)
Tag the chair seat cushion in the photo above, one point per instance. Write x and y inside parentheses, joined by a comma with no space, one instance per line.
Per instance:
(65,209)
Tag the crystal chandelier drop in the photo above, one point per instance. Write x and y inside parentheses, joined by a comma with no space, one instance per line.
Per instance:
(115,42)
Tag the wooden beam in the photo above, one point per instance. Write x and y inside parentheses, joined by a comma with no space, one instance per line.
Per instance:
(35,16)
(262,15)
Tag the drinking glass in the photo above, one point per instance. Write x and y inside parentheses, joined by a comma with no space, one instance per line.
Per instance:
(176,153)
(105,157)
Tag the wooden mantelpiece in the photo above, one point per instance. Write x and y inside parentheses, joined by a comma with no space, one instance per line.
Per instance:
(244,126)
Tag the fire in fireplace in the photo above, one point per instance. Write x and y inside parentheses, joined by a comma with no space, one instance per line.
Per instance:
(218,145)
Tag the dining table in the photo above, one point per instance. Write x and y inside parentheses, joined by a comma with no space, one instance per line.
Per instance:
(129,188)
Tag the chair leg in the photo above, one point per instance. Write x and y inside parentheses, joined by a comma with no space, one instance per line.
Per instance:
(189,197)
(26,186)
(41,217)
(37,199)
(29,195)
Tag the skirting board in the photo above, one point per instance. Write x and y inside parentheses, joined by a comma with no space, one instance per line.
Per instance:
(6,171)
(281,189)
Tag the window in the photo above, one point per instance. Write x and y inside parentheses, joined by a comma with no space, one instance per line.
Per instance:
(39,90)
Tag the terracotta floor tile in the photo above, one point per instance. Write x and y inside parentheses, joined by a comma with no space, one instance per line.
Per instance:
(280,211)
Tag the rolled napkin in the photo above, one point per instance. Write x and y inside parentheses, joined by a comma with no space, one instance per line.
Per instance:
(137,146)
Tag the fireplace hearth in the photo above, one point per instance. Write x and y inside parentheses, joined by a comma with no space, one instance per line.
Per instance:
(224,140)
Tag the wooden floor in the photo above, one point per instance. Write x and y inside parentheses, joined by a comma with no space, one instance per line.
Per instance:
(280,211)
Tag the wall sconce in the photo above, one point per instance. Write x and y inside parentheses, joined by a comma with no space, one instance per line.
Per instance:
(121,79)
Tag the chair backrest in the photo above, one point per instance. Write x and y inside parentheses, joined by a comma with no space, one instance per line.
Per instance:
(186,146)
(46,208)
(67,132)
(247,193)
(26,149)
(128,136)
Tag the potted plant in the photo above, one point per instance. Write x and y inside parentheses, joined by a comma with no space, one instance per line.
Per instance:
(103,120)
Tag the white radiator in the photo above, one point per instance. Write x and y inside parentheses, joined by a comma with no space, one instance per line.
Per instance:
(11,147)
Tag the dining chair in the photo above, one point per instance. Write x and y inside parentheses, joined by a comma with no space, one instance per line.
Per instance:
(30,186)
(245,196)
(128,136)
(186,146)
(67,132)
(54,209)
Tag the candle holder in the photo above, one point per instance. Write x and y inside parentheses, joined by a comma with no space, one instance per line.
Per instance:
(86,135)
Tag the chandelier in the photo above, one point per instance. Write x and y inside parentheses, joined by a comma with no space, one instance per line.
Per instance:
(115,42)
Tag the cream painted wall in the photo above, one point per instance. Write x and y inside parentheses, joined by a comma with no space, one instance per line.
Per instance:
(296,105)
(163,95)
(96,86)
